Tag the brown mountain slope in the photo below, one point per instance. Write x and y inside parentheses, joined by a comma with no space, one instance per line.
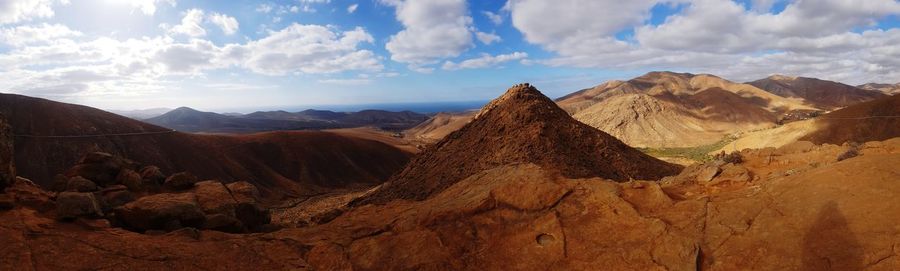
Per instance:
(889,89)
(816,92)
(522,126)
(438,126)
(280,163)
(665,109)
(868,121)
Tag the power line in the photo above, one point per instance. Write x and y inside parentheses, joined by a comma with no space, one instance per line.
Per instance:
(97,135)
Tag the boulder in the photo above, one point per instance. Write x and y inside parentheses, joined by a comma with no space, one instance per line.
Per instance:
(60,183)
(28,194)
(180,181)
(162,212)
(118,198)
(214,198)
(130,179)
(707,173)
(80,184)
(101,168)
(77,204)
(152,174)
(244,191)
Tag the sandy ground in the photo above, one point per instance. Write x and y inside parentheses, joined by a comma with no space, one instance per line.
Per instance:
(775,137)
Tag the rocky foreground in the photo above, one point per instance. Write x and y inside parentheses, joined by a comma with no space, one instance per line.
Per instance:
(793,208)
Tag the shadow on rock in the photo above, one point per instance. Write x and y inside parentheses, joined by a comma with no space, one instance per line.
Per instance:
(830,244)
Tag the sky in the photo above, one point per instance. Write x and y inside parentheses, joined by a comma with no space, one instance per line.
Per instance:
(238,55)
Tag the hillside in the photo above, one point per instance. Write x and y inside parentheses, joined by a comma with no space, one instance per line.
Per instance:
(869,121)
(888,89)
(438,126)
(817,93)
(665,109)
(280,163)
(190,120)
(522,126)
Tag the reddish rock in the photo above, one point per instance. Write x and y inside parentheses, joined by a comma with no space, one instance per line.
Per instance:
(130,179)
(180,181)
(162,211)
(214,198)
(244,191)
(80,184)
(77,204)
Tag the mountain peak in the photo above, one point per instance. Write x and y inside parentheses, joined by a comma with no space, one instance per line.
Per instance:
(521,126)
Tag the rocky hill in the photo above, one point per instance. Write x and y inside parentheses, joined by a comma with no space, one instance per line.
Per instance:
(665,109)
(869,121)
(818,93)
(888,89)
(522,126)
(53,136)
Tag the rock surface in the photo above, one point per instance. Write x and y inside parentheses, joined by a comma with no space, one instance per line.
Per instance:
(162,212)
(7,168)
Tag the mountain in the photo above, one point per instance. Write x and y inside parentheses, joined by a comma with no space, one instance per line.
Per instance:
(666,109)
(141,114)
(190,120)
(438,126)
(868,121)
(522,126)
(186,119)
(818,93)
(889,89)
(52,136)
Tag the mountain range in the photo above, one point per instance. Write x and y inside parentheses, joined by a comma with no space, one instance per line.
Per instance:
(190,120)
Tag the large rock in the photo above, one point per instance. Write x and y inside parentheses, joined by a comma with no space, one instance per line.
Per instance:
(153,178)
(130,179)
(99,167)
(7,168)
(28,194)
(252,215)
(214,198)
(162,212)
(180,181)
(77,204)
(80,184)
(244,191)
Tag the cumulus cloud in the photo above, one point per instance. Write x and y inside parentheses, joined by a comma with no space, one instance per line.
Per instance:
(228,24)
(493,17)
(352,8)
(30,34)
(190,24)
(433,30)
(484,61)
(807,38)
(487,38)
(14,11)
(103,65)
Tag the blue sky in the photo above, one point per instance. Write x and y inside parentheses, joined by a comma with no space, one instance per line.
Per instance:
(241,55)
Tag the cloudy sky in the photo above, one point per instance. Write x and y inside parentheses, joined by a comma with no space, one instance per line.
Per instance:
(217,55)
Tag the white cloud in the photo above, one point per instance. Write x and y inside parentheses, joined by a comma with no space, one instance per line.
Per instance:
(352,8)
(228,24)
(190,24)
(487,38)
(24,35)
(809,38)
(106,66)
(494,17)
(148,7)
(14,11)
(484,61)
(311,49)
(264,8)
(433,30)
